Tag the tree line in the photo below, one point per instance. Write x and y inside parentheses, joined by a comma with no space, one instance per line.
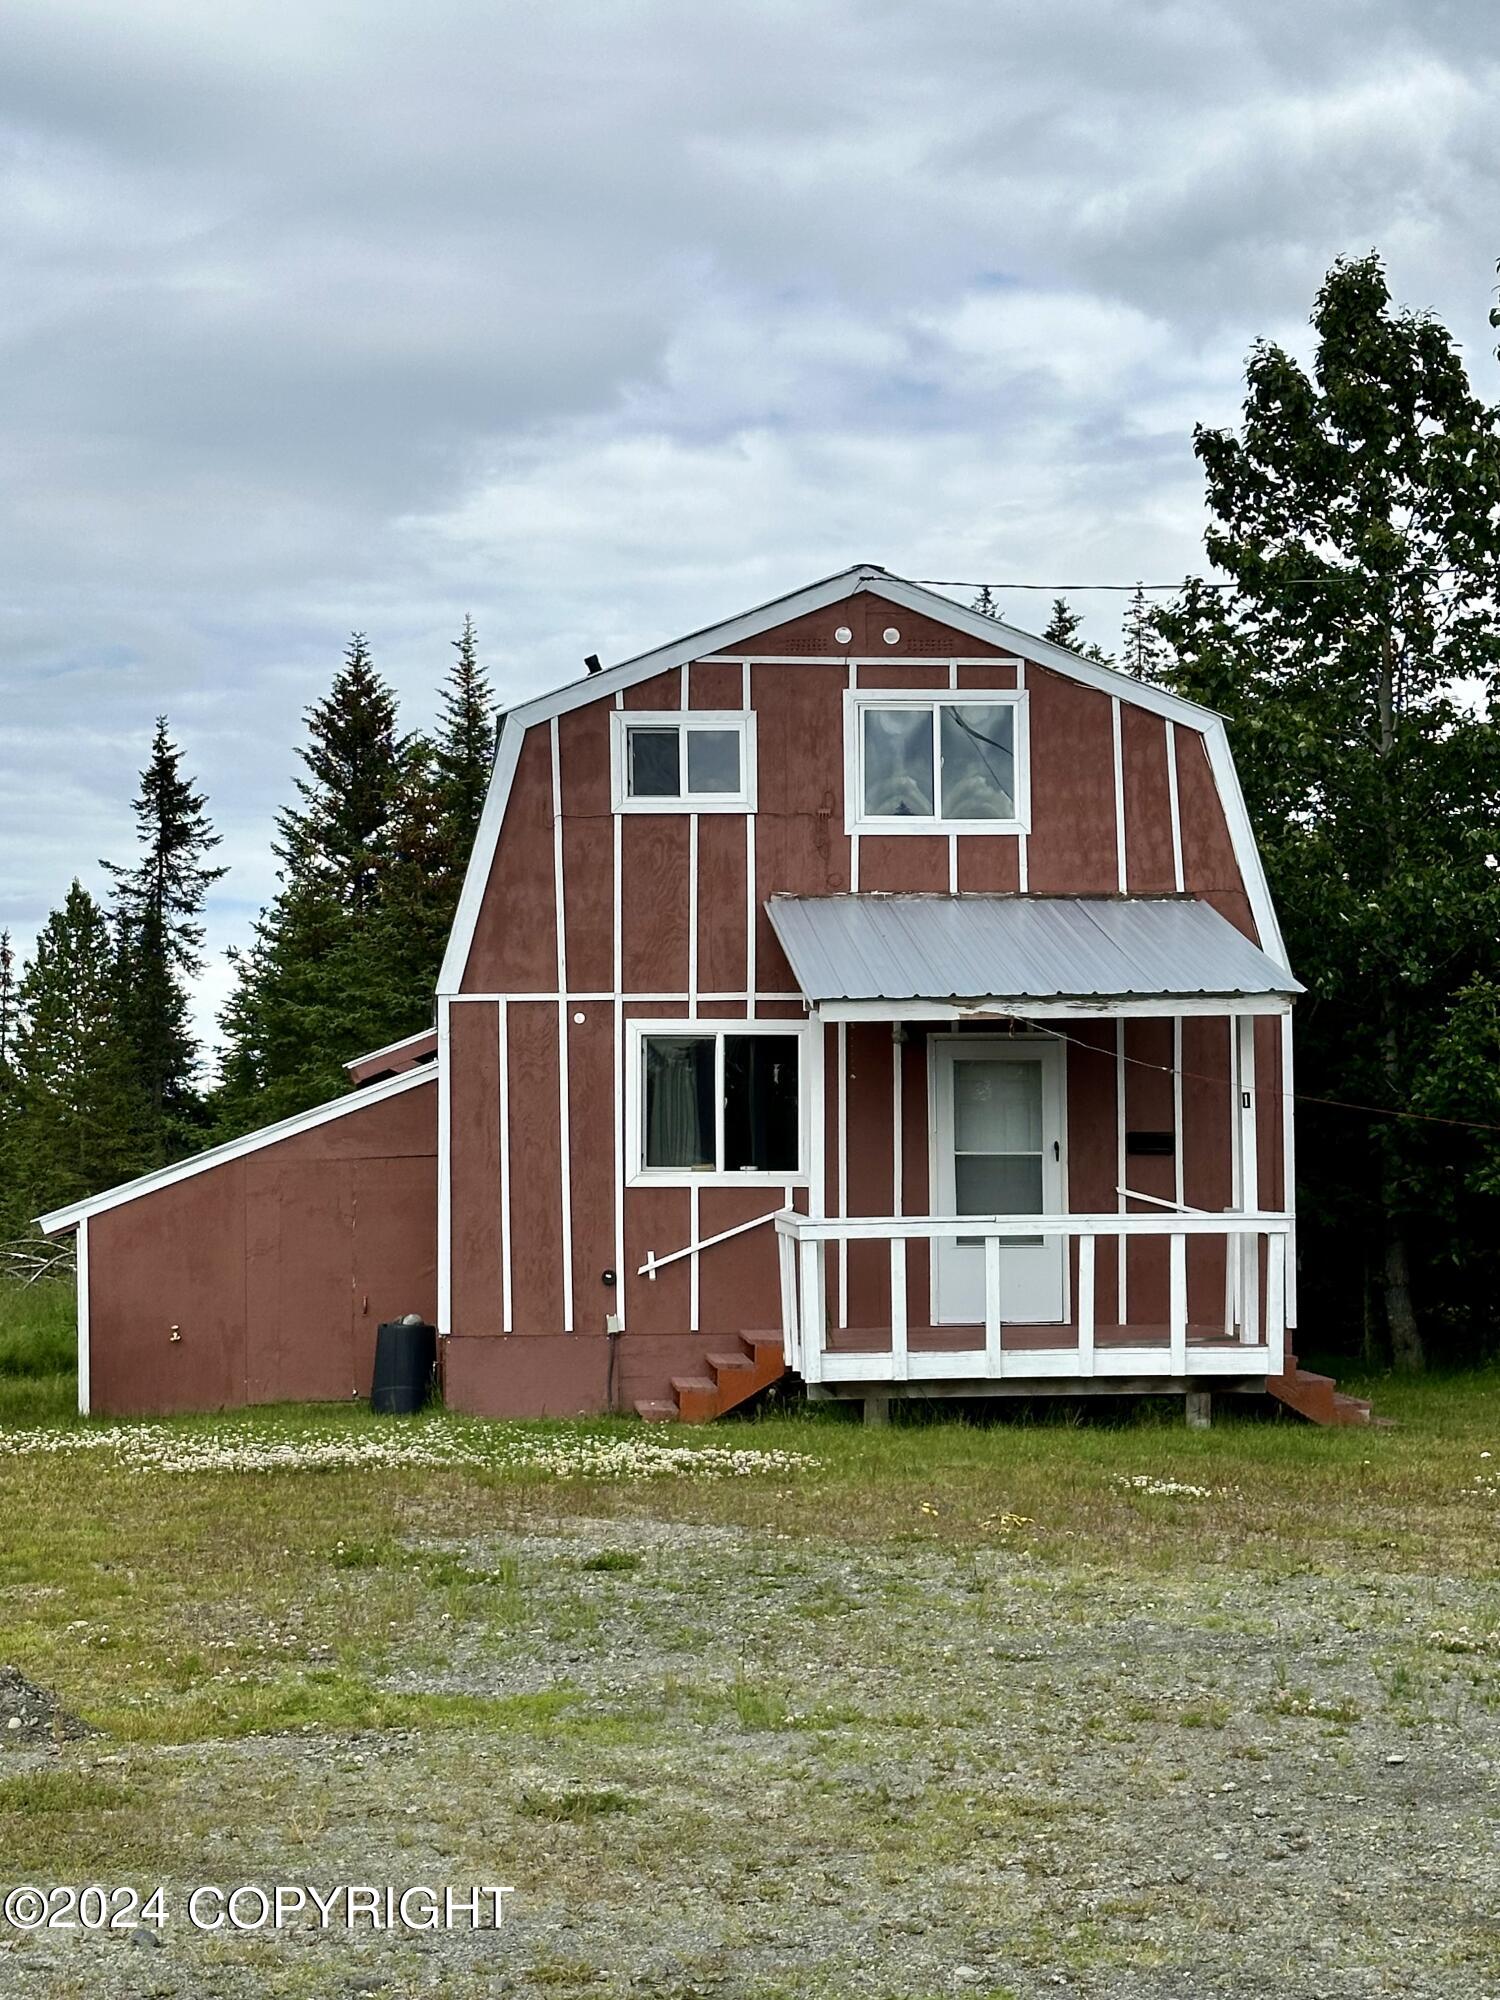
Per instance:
(1351,637)
(101,1073)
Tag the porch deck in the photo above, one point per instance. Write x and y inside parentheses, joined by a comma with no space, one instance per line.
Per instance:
(1037,1354)
(1248,1342)
(1018,1339)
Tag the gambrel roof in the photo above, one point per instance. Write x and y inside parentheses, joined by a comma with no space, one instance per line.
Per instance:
(733,632)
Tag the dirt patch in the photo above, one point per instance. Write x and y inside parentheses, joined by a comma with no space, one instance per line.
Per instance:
(30,1715)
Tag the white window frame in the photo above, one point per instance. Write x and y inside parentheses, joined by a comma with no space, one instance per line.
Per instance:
(638,1174)
(857,700)
(740,720)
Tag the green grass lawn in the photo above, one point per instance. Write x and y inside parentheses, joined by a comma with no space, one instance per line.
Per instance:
(38,1351)
(522,1596)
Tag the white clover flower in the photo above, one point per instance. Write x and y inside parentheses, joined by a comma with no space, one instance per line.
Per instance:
(1181,1489)
(241,1445)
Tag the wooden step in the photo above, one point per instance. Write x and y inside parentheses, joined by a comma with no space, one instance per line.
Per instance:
(1350,1409)
(1315,1397)
(720,1365)
(697,1398)
(732,1375)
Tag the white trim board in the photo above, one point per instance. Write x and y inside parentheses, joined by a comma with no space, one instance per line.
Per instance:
(1060,1009)
(391,1048)
(269,1135)
(84,1348)
(719,1029)
(721,639)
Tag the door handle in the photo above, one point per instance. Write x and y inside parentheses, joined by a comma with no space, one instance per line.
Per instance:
(1057,1149)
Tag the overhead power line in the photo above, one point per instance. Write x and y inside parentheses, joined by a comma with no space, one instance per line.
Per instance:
(1202,582)
(1224,1083)
(953,583)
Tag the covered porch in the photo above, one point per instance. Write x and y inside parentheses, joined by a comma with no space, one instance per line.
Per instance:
(1058,1147)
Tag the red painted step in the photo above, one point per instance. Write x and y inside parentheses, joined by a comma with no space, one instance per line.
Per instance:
(1316,1397)
(731,1376)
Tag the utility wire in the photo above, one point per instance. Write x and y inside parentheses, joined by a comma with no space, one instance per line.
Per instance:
(1203,583)
(1223,1083)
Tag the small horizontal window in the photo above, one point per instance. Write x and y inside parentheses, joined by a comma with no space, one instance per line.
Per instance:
(718,1102)
(699,761)
(919,763)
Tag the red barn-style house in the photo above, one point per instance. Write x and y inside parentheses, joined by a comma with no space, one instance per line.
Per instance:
(860,988)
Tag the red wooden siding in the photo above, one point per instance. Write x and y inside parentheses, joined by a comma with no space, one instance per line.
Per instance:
(1072,845)
(676,919)
(276,1267)
(474,1054)
(515,939)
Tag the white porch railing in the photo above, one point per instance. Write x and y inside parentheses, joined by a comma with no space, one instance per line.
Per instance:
(1251,1340)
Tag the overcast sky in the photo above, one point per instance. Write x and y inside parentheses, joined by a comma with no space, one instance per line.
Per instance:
(601,321)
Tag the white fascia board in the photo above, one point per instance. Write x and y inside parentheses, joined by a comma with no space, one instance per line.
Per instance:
(1062,1008)
(1242,837)
(61,1219)
(390,1049)
(481,858)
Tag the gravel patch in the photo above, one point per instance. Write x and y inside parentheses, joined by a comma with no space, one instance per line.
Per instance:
(30,1716)
(777,1767)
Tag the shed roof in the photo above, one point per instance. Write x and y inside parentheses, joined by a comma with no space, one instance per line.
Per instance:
(870,947)
(58,1220)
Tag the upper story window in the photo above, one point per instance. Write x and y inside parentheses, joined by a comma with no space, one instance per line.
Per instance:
(946,763)
(691,760)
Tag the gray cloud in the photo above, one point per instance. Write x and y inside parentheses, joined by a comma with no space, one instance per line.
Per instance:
(600,322)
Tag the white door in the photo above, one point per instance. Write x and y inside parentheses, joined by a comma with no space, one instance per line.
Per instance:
(999,1130)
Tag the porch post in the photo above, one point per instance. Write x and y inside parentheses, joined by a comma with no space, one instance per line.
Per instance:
(1289,1164)
(900,1367)
(1086,1303)
(817,1139)
(994,1360)
(814,1311)
(1249,1178)
(791,1343)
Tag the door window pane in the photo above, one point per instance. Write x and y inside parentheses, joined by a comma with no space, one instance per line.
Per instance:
(898,763)
(680,1102)
(655,760)
(713,760)
(979,761)
(761,1123)
(997,1106)
(997,1184)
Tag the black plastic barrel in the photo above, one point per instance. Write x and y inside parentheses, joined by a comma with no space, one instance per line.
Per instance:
(405,1357)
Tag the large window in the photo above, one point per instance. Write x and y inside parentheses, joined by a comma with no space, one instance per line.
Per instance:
(715,1100)
(920,763)
(698,760)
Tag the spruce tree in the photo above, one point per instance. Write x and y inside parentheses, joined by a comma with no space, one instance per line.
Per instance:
(1357,657)
(1062,630)
(464,749)
(1063,623)
(986,602)
(79,1108)
(330,971)
(1143,650)
(160,943)
(339,838)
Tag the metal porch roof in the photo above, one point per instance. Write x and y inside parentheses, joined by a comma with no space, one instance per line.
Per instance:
(873,947)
